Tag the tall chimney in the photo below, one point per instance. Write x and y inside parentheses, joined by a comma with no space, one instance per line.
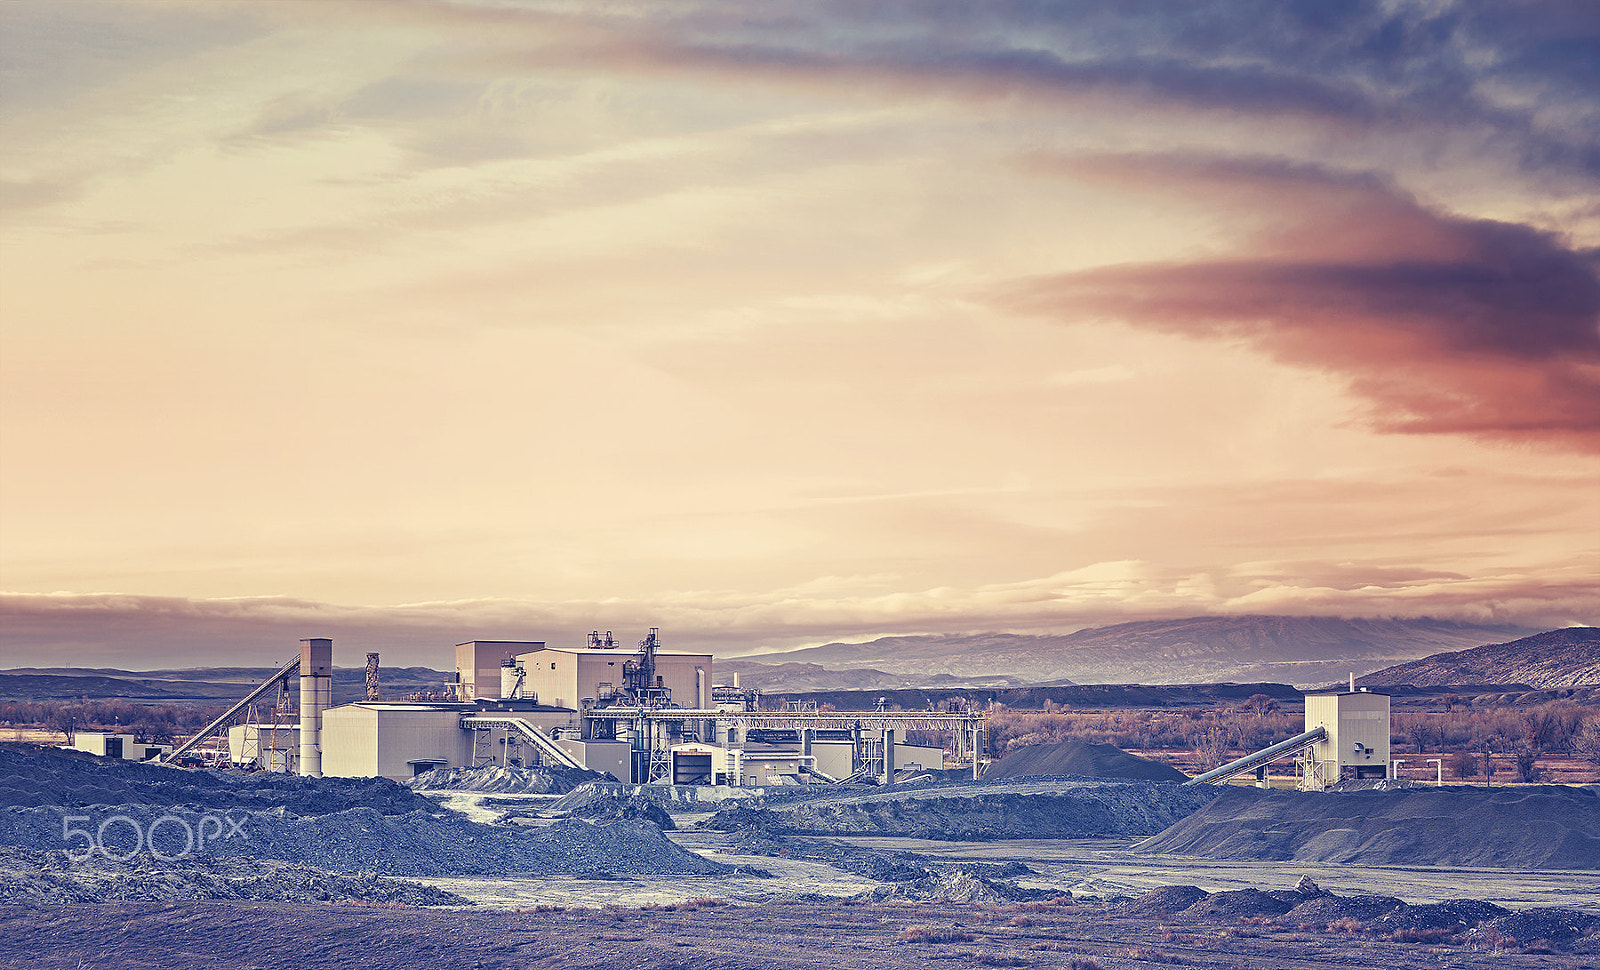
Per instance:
(1352,681)
(372,676)
(316,696)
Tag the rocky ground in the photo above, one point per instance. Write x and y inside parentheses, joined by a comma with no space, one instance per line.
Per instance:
(547,780)
(34,878)
(1527,827)
(1062,807)
(311,886)
(709,935)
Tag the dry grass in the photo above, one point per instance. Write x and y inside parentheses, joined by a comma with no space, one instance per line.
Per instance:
(931,934)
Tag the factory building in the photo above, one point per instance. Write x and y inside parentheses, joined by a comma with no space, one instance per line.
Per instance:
(566,676)
(110,744)
(1356,738)
(644,716)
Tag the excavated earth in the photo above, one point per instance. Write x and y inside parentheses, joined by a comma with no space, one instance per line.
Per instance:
(345,826)
(549,780)
(1048,807)
(1081,758)
(33,877)
(310,886)
(1533,827)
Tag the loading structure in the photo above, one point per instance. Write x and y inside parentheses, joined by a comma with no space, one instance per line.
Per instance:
(315,667)
(865,743)
(1347,736)
(1259,760)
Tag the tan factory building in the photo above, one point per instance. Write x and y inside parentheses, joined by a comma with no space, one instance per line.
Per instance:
(1357,742)
(564,676)
(479,663)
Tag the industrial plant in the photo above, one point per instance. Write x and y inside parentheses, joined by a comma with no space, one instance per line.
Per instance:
(653,715)
(640,716)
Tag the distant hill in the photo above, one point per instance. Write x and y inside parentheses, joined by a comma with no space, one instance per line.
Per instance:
(799,677)
(1558,658)
(1300,650)
(199,685)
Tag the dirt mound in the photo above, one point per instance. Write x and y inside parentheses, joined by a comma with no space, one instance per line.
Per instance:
(32,776)
(673,798)
(1552,924)
(959,886)
(1446,915)
(1086,810)
(30,877)
(549,780)
(1080,758)
(618,808)
(1541,827)
(1162,901)
(1246,902)
(1327,909)
(362,840)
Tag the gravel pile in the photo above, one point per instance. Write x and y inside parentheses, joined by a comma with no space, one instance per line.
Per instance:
(889,867)
(1380,916)
(363,840)
(619,809)
(1535,827)
(1551,924)
(1246,902)
(49,878)
(959,886)
(1082,759)
(549,780)
(1449,914)
(1327,909)
(673,798)
(31,775)
(1079,809)
(1161,901)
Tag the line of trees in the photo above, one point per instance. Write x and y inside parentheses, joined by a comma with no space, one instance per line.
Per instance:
(1475,735)
(156,723)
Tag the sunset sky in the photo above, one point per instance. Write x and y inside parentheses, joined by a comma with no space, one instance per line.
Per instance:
(773,324)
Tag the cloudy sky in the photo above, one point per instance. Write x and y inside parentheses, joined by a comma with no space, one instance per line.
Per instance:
(772,324)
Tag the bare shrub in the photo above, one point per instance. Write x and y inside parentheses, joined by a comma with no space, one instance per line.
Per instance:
(931,934)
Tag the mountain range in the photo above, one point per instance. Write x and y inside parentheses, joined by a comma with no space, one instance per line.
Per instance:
(1208,649)
(1557,658)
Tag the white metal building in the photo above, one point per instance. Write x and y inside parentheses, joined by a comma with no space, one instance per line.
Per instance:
(1357,723)
(110,744)
(564,676)
(396,741)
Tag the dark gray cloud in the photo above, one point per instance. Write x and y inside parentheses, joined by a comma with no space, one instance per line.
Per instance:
(1447,324)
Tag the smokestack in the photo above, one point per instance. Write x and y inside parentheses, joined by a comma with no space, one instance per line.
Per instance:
(372,676)
(735,681)
(1352,682)
(316,696)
